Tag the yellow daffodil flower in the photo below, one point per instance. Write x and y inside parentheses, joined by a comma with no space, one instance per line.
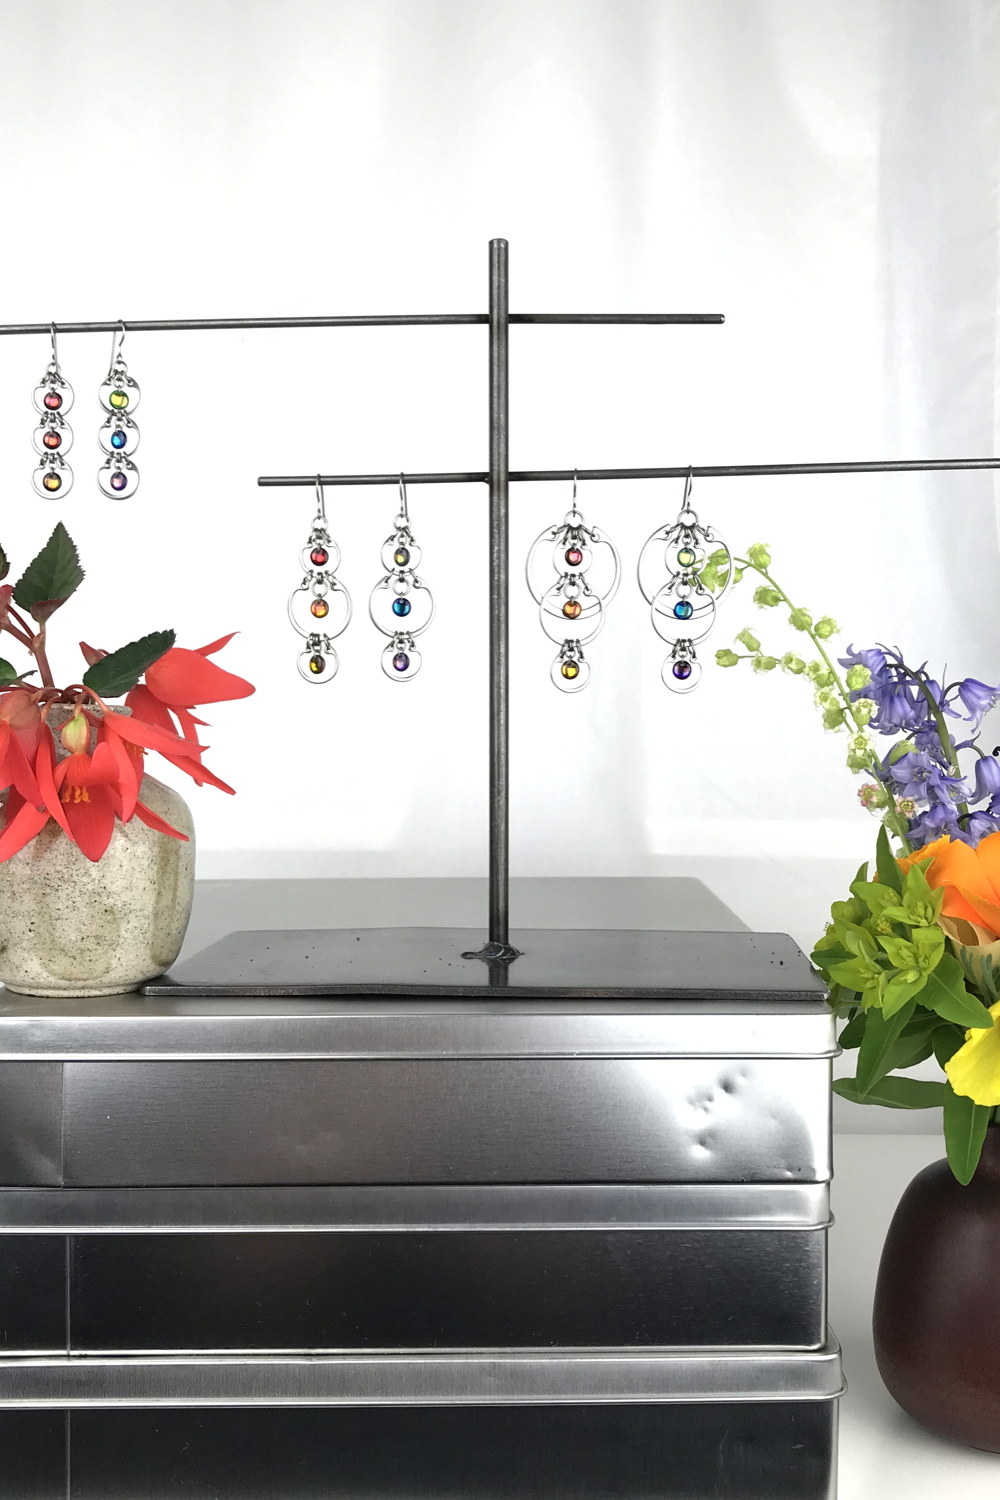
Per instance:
(975,1068)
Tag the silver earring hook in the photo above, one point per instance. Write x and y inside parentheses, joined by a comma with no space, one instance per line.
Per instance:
(575,511)
(55,345)
(404,508)
(320,500)
(687,509)
(117,340)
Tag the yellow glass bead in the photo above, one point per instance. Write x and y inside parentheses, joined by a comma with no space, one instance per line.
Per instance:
(118,399)
(570,669)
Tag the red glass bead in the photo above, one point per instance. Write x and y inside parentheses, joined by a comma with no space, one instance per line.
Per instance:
(319,557)
(572,609)
(574,557)
(52,439)
(52,400)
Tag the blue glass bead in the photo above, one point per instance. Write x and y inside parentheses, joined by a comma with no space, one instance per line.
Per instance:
(118,438)
(401,661)
(682,670)
(683,609)
(401,607)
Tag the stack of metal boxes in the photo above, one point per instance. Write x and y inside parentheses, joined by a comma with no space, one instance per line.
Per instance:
(427,1248)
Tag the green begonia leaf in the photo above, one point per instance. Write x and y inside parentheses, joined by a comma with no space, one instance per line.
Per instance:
(51,577)
(120,671)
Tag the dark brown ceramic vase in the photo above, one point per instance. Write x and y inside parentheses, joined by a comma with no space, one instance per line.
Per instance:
(937,1302)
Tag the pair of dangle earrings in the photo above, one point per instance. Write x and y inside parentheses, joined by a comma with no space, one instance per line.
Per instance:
(401,605)
(118,477)
(572,609)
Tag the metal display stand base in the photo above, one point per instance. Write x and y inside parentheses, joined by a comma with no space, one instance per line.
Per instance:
(427,961)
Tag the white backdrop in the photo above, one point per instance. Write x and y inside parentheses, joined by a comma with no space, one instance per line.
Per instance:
(824,172)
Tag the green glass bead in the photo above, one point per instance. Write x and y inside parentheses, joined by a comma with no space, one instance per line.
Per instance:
(118,399)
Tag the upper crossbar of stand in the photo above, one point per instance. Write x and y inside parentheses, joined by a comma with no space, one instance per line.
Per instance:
(392,320)
(711,471)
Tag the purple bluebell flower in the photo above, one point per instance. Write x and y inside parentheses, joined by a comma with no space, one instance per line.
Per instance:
(978,697)
(979,825)
(987,778)
(920,776)
(933,824)
(873,658)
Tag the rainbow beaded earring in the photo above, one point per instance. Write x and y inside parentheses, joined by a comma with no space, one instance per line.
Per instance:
(53,437)
(118,477)
(682,609)
(401,605)
(309,604)
(578,598)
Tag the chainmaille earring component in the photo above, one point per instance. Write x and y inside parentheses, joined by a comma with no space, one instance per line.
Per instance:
(401,605)
(320,608)
(118,477)
(682,609)
(572,610)
(53,437)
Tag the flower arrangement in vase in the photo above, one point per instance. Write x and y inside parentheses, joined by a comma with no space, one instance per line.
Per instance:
(912,961)
(75,794)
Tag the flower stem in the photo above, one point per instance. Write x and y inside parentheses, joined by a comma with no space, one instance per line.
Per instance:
(37,648)
(894,817)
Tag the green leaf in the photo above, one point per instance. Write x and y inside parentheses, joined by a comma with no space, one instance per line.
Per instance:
(881,1034)
(8,676)
(4,565)
(119,672)
(836,953)
(852,1033)
(946,1041)
(965,1126)
(909,1051)
(894,1093)
(51,578)
(899,990)
(945,993)
(888,871)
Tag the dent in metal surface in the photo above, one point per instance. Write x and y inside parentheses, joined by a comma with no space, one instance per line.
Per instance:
(517,1206)
(490,1377)
(594,1288)
(165,1027)
(781,1451)
(31,1124)
(558,1120)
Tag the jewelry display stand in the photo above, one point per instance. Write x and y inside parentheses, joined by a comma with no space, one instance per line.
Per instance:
(324,1216)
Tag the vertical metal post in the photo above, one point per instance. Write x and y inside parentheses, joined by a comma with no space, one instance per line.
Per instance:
(499,600)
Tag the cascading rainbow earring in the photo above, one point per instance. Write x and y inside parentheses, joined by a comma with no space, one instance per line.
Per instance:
(588,572)
(401,605)
(118,477)
(53,437)
(309,606)
(682,609)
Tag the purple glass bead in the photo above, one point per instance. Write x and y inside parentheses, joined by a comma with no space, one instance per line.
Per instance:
(682,670)
(401,661)
(119,481)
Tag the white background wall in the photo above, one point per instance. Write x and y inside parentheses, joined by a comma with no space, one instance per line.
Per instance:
(825,174)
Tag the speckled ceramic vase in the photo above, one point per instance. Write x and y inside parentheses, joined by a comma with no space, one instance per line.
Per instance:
(69,927)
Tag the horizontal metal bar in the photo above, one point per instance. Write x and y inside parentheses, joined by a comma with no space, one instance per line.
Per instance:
(677,471)
(390,320)
(516,1208)
(486,1377)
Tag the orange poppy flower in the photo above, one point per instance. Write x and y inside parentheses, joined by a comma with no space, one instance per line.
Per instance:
(970,879)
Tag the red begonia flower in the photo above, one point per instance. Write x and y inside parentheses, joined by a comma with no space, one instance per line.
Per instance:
(85,783)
